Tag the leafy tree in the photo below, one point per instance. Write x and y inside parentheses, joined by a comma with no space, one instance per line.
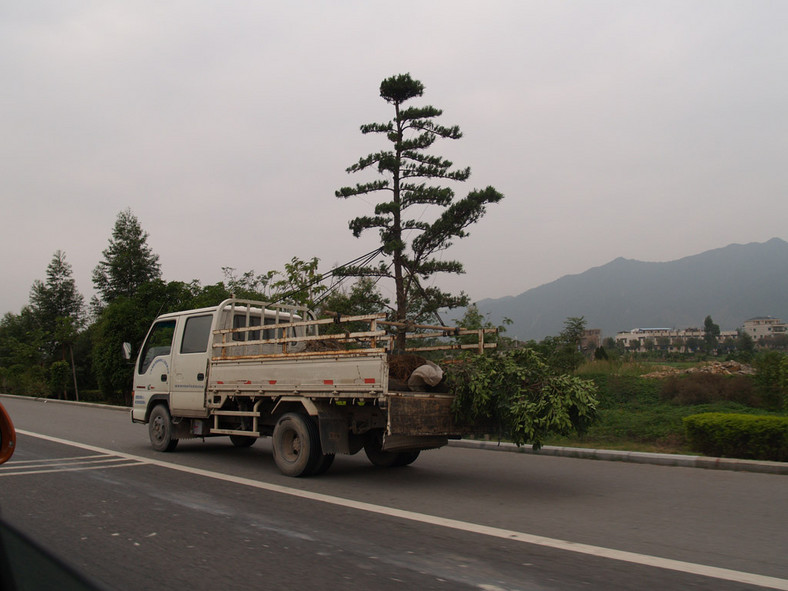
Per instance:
(711,333)
(771,378)
(22,352)
(59,374)
(248,286)
(562,353)
(59,310)
(412,244)
(363,297)
(56,300)
(128,261)
(299,284)
(127,319)
(516,395)
(663,343)
(475,320)
(745,346)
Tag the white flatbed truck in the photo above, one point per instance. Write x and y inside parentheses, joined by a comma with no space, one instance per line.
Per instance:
(247,369)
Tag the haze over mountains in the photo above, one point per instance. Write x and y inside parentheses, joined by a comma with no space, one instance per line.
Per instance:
(731,284)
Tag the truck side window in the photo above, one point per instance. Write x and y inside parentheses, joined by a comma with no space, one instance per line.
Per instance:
(159,343)
(196,334)
(239,321)
(276,333)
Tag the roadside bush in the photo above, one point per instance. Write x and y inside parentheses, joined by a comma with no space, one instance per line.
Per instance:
(516,395)
(24,381)
(738,435)
(705,388)
(59,377)
(772,378)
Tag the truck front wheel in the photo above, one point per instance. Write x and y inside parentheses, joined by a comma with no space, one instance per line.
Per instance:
(296,444)
(160,429)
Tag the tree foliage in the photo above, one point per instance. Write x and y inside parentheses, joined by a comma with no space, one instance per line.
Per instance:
(562,352)
(128,260)
(22,346)
(406,188)
(127,319)
(711,334)
(771,379)
(56,304)
(516,395)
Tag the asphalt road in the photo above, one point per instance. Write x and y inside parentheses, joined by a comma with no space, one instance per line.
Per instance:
(86,485)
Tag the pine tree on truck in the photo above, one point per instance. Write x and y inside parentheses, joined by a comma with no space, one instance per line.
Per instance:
(247,369)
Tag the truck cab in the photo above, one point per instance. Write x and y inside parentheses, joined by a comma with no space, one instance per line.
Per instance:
(174,361)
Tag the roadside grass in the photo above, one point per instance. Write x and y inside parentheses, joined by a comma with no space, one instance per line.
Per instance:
(636,413)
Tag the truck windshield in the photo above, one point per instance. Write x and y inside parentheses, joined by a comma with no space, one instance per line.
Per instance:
(159,343)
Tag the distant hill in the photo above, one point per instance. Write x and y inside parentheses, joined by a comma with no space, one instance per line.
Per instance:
(731,284)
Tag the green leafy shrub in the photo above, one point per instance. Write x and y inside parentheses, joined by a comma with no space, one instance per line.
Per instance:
(59,376)
(772,378)
(705,388)
(515,395)
(24,381)
(739,435)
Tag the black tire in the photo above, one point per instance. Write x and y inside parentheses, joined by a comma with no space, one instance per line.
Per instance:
(387,459)
(323,464)
(296,444)
(242,441)
(160,429)
(406,458)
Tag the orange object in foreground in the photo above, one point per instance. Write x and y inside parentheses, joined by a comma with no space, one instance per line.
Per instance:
(7,436)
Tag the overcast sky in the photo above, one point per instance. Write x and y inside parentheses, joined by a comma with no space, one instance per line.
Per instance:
(649,130)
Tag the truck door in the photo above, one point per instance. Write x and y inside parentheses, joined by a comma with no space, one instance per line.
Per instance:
(155,361)
(190,366)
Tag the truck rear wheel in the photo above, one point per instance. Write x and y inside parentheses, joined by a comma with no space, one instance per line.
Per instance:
(160,429)
(296,444)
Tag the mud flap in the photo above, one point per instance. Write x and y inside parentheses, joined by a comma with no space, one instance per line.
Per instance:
(334,431)
(420,415)
(406,443)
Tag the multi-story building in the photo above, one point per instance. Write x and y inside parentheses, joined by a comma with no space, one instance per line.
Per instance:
(762,327)
(667,339)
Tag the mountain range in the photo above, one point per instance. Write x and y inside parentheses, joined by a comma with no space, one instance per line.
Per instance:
(731,284)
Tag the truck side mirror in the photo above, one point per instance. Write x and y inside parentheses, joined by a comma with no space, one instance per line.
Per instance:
(127,351)
(7,436)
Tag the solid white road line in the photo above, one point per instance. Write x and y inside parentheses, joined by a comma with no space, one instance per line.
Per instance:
(587,549)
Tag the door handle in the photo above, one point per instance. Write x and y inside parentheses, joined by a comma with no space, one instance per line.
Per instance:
(200,377)
(164,377)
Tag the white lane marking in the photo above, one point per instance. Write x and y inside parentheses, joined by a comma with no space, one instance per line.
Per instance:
(54,460)
(71,464)
(496,532)
(126,464)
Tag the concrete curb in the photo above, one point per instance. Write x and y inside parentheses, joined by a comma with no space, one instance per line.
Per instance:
(72,402)
(637,457)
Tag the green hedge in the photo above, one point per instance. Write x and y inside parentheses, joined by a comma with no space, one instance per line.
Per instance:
(738,436)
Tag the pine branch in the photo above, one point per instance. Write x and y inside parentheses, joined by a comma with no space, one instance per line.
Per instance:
(362,189)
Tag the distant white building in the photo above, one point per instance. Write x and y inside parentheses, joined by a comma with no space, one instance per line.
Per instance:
(762,327)
(666,339)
